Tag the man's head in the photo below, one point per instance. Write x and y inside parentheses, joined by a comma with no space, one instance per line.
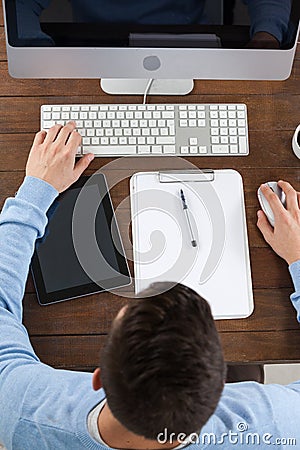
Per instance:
(163,366)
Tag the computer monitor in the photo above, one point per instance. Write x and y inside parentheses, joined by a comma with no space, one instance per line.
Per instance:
(170,41)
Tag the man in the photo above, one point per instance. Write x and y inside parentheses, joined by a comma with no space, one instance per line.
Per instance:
(162,370)
(269,18)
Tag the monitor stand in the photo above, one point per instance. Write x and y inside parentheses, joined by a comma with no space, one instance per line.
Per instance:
(138,86)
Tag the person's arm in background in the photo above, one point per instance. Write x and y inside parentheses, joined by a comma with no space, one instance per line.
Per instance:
(50,169)
(284,238)
(28,19)
(269,22)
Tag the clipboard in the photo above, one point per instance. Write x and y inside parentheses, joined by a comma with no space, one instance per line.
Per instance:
(218,268)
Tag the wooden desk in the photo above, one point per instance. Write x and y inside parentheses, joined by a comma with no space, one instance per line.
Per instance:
(70,334)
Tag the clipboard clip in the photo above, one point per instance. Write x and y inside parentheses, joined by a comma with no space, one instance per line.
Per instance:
(186,176)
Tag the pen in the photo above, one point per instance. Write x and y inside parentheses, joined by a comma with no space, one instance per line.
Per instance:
(186,213)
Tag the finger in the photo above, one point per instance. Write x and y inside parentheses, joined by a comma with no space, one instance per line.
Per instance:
(274,202)
(39,137)
(298,197)
(264,226)
(74,141)
(64,133)
(52,133)
(82,164)
(290,194)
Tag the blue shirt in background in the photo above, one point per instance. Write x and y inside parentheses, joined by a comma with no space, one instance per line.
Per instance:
(271,16)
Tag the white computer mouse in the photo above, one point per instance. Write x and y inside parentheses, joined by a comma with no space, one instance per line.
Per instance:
(296,142)
(265,204)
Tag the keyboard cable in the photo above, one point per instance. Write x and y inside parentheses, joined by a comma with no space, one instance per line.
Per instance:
(148,87)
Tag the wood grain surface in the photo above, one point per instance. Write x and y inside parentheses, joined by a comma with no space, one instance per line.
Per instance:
(71,334)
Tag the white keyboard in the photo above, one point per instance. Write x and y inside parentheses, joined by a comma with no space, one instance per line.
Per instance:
(160,129)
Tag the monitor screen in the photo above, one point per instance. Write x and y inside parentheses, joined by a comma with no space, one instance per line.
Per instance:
(153,23)
(158,39)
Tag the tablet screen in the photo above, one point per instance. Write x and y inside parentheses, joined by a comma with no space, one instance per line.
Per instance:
(80,253)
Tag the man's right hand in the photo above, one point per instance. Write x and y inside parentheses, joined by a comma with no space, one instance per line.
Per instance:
(284,238)
(52,157)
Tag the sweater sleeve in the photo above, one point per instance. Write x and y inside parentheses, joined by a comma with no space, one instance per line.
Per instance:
(271,16)
(22,221)
(295,297)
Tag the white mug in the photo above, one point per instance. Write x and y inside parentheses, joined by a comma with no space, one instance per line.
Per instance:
(296,142)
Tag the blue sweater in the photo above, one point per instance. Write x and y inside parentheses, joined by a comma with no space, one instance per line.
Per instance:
(44,408)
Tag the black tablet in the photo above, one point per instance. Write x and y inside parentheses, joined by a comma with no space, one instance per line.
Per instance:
(81,251)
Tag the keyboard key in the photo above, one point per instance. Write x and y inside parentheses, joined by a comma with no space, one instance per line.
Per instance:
(165,140)
(168,115)
(150,140)
(110,150)
(220,149)
(224,139)
(202,149)
(144,149)
(169,149)
(157,149)
(112,141)
(48,124)
(192,115)
(243,144)
(164,131)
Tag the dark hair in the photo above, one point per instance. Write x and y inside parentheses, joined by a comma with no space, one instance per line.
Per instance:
(163,365)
